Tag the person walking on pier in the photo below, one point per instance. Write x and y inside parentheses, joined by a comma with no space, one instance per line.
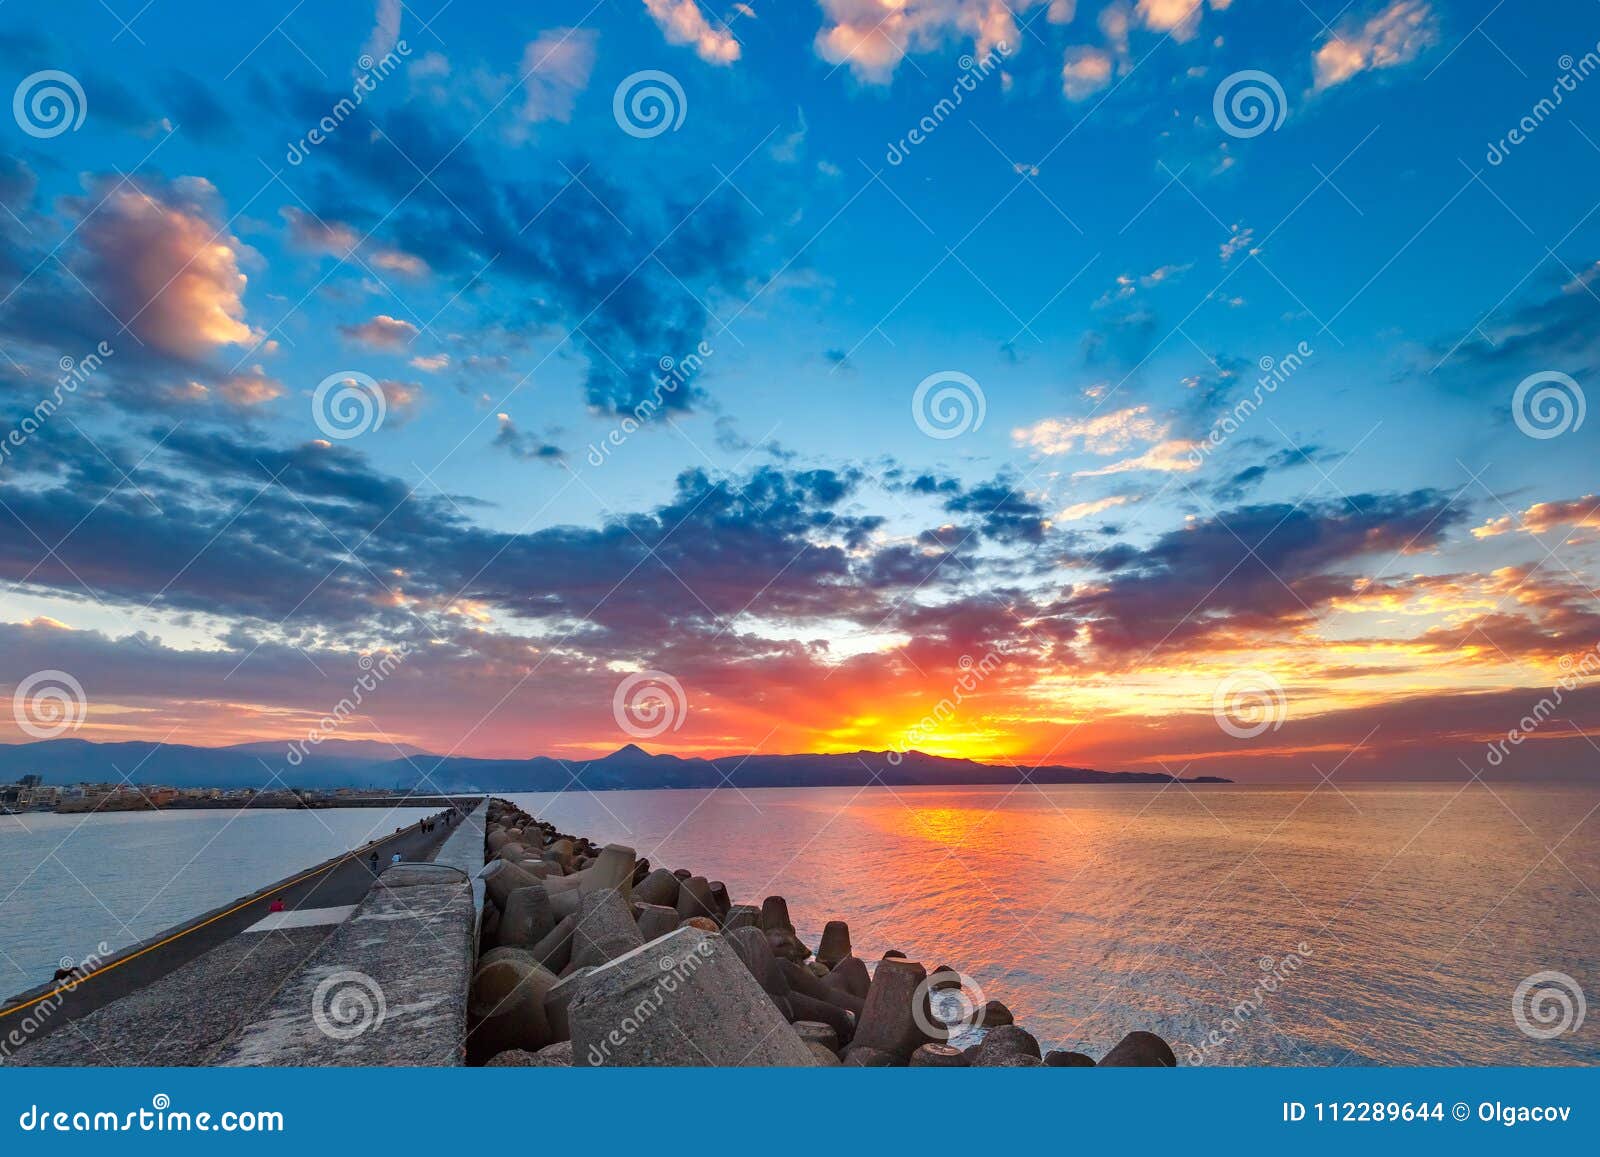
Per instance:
(373,860)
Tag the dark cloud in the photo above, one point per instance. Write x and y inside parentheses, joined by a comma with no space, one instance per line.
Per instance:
(313,536)
(526,446)
(1003,512)
(626,267)
(1259,568)
(1560,328)
(1237,485)
(194,110)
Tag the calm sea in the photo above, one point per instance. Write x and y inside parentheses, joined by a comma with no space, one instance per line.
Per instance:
(71,882)
(1247,925)
(1375,925)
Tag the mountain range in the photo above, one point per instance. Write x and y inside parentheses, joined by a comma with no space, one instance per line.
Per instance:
(368,763)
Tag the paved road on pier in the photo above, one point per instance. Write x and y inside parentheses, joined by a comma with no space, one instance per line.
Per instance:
(341,881)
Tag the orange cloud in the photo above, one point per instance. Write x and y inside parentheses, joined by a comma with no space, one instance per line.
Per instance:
(381,332)
(683,22)
(1543,517)
(165,269)
(1108,434)
(1395,36)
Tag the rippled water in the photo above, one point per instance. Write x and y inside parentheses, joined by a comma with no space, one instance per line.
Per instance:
(1395,922)
(70,882)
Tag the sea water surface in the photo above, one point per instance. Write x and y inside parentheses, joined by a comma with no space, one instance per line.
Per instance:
(71,882)
(1394,923)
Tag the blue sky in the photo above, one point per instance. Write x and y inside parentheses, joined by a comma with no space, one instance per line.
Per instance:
(1086,236)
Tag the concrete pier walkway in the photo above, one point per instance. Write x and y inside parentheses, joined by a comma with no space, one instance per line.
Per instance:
(237,956)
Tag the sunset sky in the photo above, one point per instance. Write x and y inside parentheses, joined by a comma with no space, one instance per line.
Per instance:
(956,302)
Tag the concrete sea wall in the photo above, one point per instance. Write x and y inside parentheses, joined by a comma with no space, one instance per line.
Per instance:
(389,986)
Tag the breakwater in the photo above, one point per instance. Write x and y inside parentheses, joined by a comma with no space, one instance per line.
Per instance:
(176,997)
(591,956)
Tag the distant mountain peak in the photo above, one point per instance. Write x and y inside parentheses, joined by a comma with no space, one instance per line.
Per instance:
(632,753)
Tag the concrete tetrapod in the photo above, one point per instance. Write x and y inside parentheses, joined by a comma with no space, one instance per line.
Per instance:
(612,869)
(694,899)
(655,920)
(1140,1050)
(835,944)
(659,887)
(605,929)
(686,999)
(887,1022)
(527,918)
(507,1008)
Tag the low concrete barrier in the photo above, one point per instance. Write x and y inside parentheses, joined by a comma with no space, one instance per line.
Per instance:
(464,848)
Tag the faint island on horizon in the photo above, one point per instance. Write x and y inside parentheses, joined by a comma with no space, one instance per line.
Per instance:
(365,763)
